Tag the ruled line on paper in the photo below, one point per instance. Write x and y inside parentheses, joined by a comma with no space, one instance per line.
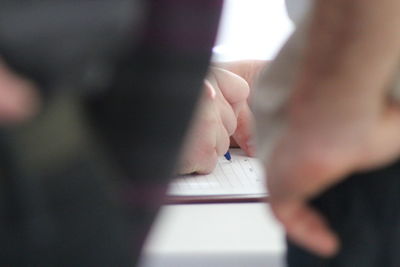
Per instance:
(241,176)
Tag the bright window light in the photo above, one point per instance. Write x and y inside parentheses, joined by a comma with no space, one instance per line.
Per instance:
(252,29)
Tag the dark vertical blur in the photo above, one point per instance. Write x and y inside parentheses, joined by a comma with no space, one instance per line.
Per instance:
(146,111)
(365,212)
(81,184)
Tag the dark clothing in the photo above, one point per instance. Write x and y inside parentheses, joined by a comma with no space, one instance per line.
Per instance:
(63,201)
(365,212)
(165,73)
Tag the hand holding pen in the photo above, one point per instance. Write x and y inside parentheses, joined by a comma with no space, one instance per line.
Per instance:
(223,119)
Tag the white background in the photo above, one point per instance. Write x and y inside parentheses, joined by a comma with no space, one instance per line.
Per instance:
(252,29)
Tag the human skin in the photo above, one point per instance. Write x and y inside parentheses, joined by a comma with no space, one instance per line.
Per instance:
(340,119)
(222,113)
(223,117)
(18,97)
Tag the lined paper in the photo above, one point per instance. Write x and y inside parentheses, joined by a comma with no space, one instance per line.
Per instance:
(241,176)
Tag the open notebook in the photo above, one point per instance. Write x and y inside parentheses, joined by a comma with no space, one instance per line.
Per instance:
(240,180)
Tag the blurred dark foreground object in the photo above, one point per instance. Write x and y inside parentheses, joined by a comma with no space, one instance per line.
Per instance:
(365,212)
(82,182)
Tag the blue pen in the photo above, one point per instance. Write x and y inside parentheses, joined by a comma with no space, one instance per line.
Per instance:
(228,156)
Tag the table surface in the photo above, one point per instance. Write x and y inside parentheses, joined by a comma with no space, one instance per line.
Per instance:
(215,235)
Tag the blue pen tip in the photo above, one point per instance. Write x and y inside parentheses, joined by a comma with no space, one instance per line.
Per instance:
(228,156)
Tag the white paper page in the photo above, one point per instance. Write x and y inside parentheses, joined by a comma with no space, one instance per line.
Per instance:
(241,176)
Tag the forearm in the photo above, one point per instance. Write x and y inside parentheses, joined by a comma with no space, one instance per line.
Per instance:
(328,112)
(351,46)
